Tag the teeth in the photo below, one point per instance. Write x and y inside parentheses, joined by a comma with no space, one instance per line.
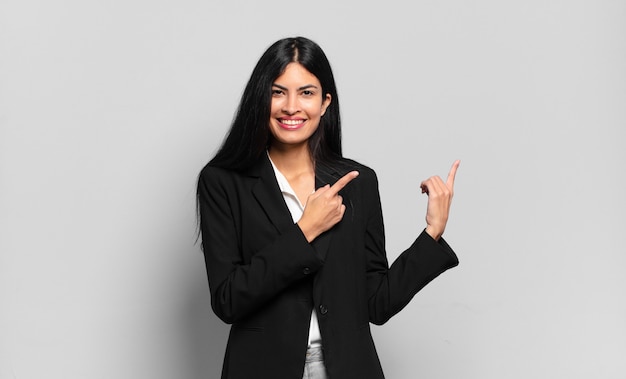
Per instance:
(292,122)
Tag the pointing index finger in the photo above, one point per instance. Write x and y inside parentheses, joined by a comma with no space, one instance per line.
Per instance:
(452,174)
(347,178)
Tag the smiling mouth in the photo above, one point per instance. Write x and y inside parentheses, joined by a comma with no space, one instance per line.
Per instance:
(291,124)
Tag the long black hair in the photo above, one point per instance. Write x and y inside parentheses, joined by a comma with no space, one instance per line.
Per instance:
(249,135)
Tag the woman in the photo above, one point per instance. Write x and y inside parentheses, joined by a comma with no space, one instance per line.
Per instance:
(293,235)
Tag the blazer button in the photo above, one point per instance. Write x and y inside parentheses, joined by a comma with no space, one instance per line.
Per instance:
(323,309)
(306,271)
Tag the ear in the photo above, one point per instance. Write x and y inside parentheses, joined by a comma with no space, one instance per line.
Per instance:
(326,103)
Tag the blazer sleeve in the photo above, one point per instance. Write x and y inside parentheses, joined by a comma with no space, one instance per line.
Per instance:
(391,288)
(239,287)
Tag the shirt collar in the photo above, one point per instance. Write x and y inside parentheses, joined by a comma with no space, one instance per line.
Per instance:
(283,184)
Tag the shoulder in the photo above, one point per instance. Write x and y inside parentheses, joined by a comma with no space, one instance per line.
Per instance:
(366,182)
(363,190)
(212,178)
(213,172)
(366,173)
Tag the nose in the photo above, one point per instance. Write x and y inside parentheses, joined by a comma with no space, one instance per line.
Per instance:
(291,105)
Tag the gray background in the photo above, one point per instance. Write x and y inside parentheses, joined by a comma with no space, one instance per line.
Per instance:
(108,110)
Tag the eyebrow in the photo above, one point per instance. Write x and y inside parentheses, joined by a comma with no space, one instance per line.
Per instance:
(299,89)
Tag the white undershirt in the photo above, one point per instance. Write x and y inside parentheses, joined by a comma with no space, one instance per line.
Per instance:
(296,208)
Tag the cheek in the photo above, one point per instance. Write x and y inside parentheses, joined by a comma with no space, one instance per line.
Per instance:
(316,109)
(274,105)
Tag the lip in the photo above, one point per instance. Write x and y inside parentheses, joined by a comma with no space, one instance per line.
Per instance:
(291,123)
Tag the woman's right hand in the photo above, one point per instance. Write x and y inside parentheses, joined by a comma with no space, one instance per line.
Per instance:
(324,208)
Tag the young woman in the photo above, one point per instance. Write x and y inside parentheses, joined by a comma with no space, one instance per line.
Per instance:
(292,232)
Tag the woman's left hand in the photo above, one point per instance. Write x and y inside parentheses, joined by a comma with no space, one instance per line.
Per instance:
(439,200)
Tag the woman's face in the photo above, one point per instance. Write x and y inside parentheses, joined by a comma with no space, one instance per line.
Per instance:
(297,106)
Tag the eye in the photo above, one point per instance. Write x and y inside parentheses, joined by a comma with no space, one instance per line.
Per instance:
(307,92)
(277,92)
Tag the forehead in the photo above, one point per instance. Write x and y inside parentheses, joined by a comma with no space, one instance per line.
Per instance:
(296,74)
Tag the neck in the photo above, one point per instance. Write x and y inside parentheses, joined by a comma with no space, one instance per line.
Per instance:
(292,160)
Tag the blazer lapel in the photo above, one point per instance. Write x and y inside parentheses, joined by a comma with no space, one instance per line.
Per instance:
(324,175)
(269,196)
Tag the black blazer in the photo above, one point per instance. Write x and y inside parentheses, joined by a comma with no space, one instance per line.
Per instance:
(265,278)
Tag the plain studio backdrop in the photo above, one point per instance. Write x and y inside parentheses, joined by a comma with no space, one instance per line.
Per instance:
(109,109)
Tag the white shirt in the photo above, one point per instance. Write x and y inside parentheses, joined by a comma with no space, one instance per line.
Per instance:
(296,209)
